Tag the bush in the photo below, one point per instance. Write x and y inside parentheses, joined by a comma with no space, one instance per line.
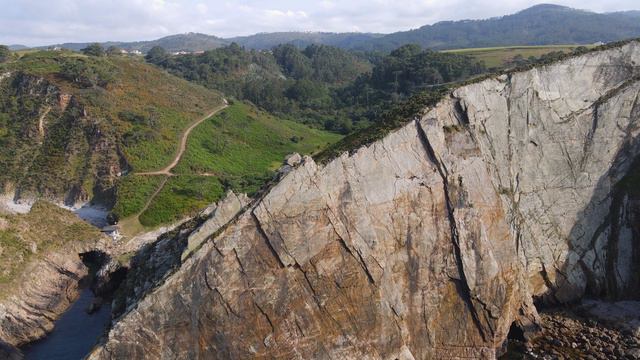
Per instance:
(94,49)
(5,53)
(86,74)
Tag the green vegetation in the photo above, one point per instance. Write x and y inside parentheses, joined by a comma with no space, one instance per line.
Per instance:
(288,82)
(239,149)
(117,113)
(94,49)
(132,194)
(120,113)
(181,196)
(538,25)
(242,140)
(320,86)
(27,237)
(499,57)
(5,53)
(396,117)
(87,73)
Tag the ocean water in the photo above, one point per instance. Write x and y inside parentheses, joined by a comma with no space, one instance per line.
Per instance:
(75,332)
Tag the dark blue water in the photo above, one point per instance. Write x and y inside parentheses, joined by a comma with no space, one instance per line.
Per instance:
(75,333)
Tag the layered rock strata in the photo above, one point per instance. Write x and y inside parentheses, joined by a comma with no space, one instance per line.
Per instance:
(430,243)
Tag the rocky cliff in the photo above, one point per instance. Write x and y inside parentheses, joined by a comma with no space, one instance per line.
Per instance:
(52,148)
(41,266)
(516,191)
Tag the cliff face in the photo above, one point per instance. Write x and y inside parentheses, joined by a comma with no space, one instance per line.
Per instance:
(429,243)
(51,147)
(40,269)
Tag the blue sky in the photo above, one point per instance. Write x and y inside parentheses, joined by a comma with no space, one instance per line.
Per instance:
(42,22)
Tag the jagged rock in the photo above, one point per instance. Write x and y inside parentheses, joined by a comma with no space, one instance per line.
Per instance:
(293,160)
(49,287)
(221,214)
(429,243)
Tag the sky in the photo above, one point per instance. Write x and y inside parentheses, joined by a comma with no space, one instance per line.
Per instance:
(45,22)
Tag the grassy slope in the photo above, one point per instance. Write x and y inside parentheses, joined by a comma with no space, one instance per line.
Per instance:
(173,102)
(47,226)
(168,104)
(494,57)
(239,149)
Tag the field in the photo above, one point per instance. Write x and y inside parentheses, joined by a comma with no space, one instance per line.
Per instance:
(495,57)
(238,148)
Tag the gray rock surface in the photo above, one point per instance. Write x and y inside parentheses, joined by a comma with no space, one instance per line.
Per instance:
(429,243)
(221,214)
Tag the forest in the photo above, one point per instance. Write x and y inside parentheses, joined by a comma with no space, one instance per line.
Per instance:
(322,86)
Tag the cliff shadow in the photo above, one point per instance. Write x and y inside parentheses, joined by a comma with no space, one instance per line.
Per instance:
(608,263)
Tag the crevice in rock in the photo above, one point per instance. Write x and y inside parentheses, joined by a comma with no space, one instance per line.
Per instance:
(620,192)
(516,333)
(264,235)
(464,289)
(461,113)
(592,132)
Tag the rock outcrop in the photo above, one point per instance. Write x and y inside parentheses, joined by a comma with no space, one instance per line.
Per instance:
(42,261)
(221,214)
(48,287)
(45,119)
(431,243)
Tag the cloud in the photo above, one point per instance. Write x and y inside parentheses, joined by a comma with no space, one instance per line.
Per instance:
(41,22)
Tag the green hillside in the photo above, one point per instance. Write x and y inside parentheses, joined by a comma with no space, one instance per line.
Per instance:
(237,149)
(75,128)
(498,57)
(28,237)
(71,124)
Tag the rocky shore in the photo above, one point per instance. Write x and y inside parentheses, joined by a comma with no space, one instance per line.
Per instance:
(592,330)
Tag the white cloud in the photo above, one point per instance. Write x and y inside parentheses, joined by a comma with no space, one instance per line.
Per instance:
(39,22)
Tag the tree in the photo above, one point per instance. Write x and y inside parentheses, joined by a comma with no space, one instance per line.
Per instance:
(157,55)
(114,51)
(292,61)
(85,74)
(5,53)
(94,49)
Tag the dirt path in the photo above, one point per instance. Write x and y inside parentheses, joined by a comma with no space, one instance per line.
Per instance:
(153,196)
(183,144)
(166,172)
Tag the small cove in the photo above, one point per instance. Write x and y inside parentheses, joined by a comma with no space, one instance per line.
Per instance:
(75,332)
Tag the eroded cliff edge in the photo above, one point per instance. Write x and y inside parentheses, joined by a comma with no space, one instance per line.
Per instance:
(429,243)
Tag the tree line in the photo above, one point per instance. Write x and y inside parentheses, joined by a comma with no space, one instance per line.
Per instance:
(319,85)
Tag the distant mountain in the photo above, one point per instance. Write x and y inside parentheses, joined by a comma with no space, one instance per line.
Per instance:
(632,13)
(172,43)
(264,41)
(538,25)
(17,47)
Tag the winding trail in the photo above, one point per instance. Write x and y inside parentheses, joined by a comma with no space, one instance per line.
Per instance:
(183,144)
(166,172)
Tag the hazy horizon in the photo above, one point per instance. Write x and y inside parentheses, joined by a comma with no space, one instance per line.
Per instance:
(39,23)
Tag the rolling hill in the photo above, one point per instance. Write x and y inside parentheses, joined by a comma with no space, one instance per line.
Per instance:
(538,25)
(172,43)
(75,129)
(542,24)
